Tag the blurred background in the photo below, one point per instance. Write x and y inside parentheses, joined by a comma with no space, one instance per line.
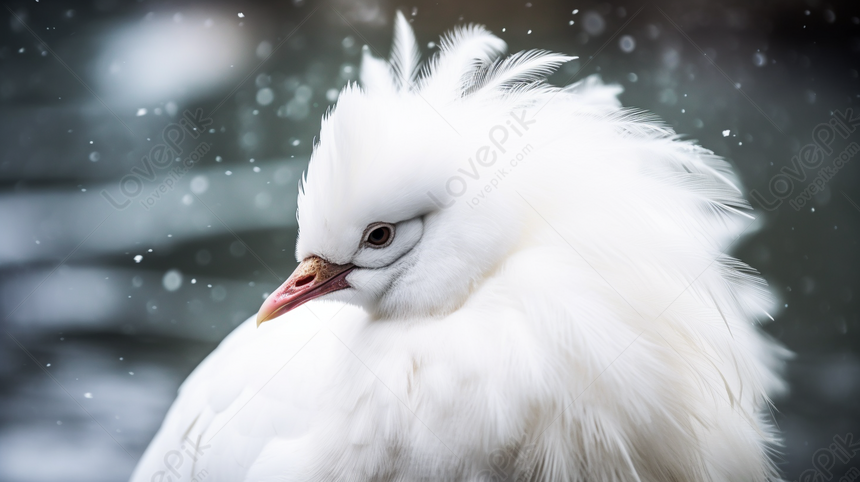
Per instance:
(121,269)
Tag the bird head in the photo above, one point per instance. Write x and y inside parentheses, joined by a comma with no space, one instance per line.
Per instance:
(378,225)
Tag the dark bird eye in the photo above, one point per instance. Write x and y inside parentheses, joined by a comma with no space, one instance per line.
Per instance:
(379,235)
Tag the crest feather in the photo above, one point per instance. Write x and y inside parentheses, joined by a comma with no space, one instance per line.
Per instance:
(375,75)
(405,55)
(523,68)
(461,52)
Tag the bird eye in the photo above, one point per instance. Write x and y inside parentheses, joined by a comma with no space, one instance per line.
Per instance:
(379,235)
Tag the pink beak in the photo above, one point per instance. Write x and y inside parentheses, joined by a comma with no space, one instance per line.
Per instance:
(313,278)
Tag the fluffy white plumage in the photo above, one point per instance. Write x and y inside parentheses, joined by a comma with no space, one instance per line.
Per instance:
(556,303)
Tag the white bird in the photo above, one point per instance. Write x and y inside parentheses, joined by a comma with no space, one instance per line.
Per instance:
(510,281)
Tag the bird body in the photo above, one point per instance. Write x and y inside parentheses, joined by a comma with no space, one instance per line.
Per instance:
(514,282)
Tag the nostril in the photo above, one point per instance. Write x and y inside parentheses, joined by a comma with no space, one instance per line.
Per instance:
(304,280)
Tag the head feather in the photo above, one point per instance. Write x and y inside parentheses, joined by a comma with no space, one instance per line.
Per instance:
(527,68)
(405,55)
(376,75)
(462,51)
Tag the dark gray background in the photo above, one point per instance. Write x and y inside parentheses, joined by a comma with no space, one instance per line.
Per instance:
(95,344)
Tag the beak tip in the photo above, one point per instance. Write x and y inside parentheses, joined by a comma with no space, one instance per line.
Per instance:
(324,278)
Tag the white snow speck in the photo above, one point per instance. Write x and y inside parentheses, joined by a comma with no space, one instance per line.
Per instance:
(141,111)
(241,15)
(138,258)
(265,96)
(171,108)
(172,280)
(593,23)
(88,395)
(199,184)
(727,132)
(627,44)
(264,49)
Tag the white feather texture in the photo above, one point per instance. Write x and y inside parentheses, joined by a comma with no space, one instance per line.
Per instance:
(376,74)
(529,68)
(405,56)
(461,52)
(557,302)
